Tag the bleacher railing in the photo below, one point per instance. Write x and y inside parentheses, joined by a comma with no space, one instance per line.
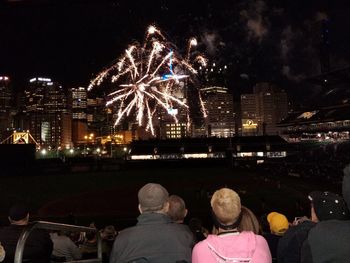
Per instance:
(56,226)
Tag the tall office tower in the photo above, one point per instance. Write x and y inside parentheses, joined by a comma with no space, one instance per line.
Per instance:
(263,109)
(221,117)
(47,113)
(78,102)
(170,129)
(165,125)
(6,106)
(43,95)
(249,114)
(100,119)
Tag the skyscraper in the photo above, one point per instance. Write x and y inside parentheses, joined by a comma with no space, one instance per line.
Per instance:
(78,102)
(221,117)
(263,109)
(6,99)
(48,118)
(249,114)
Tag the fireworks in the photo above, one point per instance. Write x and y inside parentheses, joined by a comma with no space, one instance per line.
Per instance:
(150,77)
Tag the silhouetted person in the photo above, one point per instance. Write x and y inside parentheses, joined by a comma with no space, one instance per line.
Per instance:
(38,247)
(324,206)
(63,246)
(329,240)
(278,224)
(177,209)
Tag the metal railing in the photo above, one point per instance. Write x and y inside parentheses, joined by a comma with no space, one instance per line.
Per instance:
(56,226)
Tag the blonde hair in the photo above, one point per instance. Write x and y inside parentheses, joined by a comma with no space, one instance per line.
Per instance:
(226,205)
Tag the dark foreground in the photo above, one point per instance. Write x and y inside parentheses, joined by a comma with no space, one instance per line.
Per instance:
(106,192)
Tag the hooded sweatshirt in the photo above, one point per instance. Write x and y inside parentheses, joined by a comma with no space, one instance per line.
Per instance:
(244,247)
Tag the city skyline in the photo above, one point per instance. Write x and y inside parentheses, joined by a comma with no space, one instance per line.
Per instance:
(258,40)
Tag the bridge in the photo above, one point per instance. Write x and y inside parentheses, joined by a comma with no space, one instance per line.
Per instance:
(23,137)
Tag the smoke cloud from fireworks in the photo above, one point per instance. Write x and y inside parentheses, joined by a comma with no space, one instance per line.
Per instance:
(256,23)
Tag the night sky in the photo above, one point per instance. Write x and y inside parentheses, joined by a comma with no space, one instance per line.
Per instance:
(71,41)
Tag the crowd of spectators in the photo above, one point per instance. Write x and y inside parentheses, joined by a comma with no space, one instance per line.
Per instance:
(320,162)
(161,234)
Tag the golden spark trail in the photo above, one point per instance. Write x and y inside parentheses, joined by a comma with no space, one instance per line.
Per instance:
(149,80)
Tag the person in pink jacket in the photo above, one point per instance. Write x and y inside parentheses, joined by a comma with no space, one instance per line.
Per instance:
(229,245)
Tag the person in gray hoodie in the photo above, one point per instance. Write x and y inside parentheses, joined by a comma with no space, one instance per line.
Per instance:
(329,240)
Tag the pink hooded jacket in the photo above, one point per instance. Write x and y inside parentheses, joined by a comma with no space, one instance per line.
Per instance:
(244,247)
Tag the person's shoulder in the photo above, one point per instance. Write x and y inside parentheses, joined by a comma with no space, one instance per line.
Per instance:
(179,227)
(127,232)
(304,226)
(204,243)
(252,235)
(260,239)
(329,226)
(41,231)
(11,229)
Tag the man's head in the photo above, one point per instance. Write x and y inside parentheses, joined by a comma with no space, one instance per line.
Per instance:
(177,209)
(278,223)
(18,214)
(226,206)
(109,233)
(326,206)
(153,198)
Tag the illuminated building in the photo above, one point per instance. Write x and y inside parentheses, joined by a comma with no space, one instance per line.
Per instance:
(47,116)
(78,97)
(6,97)
(249,113)
(176,130)
(79,103)
(100,119)
(219,105)
(43,95)
(263,109)
(168,128)
(5,94)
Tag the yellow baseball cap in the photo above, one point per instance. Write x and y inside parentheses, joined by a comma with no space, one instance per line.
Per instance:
(278,223)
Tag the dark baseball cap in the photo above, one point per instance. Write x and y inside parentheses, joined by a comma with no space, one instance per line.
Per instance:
(328,205)
(18,212)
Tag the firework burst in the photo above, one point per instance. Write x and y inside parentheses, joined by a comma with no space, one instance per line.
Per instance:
(149,77)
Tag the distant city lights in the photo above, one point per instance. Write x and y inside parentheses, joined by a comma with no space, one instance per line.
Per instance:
(4,78)
(147,77)
(40,79)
